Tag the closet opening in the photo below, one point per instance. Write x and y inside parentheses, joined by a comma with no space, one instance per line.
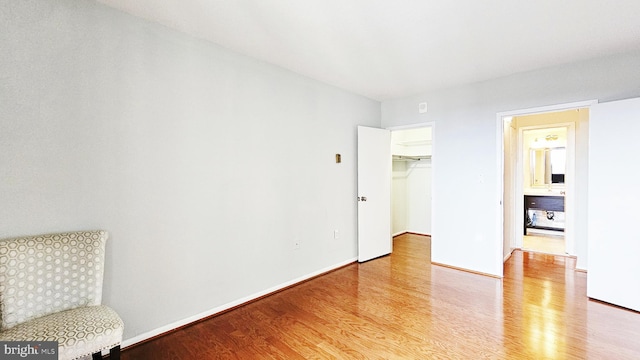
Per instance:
(411,185)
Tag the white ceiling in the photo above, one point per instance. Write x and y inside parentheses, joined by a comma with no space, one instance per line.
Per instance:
(386,49)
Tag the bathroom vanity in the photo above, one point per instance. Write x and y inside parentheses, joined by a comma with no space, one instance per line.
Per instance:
(544,192)
(543,212)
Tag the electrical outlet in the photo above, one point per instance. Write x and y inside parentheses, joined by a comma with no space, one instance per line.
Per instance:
(336,234)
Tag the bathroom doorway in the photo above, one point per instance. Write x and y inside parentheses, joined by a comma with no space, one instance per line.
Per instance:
(544,168)
(574,117)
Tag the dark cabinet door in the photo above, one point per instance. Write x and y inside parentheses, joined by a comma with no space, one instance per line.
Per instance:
(545,203)
(549,203)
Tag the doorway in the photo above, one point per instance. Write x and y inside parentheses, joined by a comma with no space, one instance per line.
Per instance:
(546,152)
(411,151)
(558,232)
(375,240)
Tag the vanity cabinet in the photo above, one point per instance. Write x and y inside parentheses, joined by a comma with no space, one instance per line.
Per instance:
(543,212)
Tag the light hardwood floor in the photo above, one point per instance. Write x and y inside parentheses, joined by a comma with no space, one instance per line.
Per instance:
(550,244)
(402,307)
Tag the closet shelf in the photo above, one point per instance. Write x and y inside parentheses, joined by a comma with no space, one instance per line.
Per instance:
(411,158)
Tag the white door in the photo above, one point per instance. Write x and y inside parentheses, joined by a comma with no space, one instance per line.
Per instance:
(614,243)
(374,193)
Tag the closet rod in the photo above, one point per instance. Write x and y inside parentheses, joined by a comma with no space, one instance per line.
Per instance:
(411,158)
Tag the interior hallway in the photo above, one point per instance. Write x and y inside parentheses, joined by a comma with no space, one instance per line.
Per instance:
(401,307)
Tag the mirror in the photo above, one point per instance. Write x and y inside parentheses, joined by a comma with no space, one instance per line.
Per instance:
(548,166)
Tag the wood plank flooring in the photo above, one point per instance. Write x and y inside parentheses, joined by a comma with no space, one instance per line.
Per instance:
(549,244)
(401,307)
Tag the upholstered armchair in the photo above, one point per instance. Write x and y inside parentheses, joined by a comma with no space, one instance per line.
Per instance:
(51,290)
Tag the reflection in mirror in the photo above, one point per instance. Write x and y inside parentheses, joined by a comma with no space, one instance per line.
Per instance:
(558,165)
(548,166)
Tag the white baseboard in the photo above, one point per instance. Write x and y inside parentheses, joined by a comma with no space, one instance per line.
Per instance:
(418,233)
(508,256)
(163,329)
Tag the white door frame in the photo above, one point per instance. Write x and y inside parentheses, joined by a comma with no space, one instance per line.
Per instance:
(519,181)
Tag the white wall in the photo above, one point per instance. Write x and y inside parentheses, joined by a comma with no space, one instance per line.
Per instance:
(468,143)
(411,197)
(204,165)
(419,195)
(399,200)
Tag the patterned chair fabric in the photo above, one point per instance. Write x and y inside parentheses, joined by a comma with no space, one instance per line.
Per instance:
(51,290)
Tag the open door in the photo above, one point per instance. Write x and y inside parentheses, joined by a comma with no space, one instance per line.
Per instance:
(374,193)
(613,201)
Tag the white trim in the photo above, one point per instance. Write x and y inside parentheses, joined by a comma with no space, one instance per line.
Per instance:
(413,126)
(163,329)
(508,256)
(547,109)
(499,205)
(410,232)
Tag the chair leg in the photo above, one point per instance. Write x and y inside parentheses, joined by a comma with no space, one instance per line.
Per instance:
(97,356)
(114,353)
